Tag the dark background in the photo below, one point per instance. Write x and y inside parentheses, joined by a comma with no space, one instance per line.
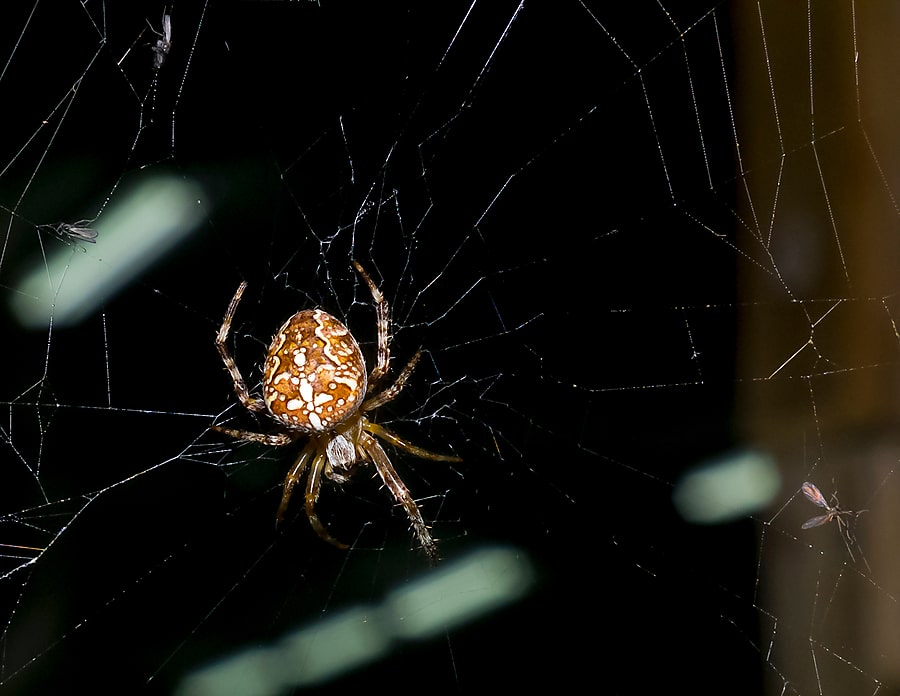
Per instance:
(545,201)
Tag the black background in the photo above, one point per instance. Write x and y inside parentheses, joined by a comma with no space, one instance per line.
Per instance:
(533,192)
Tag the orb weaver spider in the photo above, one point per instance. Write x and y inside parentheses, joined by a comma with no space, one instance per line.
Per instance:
(315,385)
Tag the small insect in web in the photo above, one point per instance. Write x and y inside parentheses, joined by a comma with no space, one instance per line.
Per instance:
(832,512)
(79,231)
(164,42)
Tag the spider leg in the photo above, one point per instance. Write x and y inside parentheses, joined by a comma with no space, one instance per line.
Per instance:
(391,392)
(401,494)
(382,313)
(240,387)
(293,476)
(274,440)
(313,485)
(402,444)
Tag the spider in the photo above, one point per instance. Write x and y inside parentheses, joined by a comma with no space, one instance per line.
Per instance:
(316,386)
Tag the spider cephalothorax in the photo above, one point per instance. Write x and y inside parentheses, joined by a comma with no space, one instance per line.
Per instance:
(316,386)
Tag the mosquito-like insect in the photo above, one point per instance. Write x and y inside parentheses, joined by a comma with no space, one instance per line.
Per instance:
(832,512)
(164,42)
(79,231)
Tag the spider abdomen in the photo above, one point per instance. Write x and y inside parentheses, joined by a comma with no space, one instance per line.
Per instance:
(315,375)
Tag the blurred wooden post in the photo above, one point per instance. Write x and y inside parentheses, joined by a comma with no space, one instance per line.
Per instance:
(819,356)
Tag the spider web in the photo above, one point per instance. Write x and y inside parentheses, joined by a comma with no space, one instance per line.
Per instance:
(650,252)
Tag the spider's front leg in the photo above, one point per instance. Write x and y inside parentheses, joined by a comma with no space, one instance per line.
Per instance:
(406,446)
(313,486)
(401,493)
(293,476)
